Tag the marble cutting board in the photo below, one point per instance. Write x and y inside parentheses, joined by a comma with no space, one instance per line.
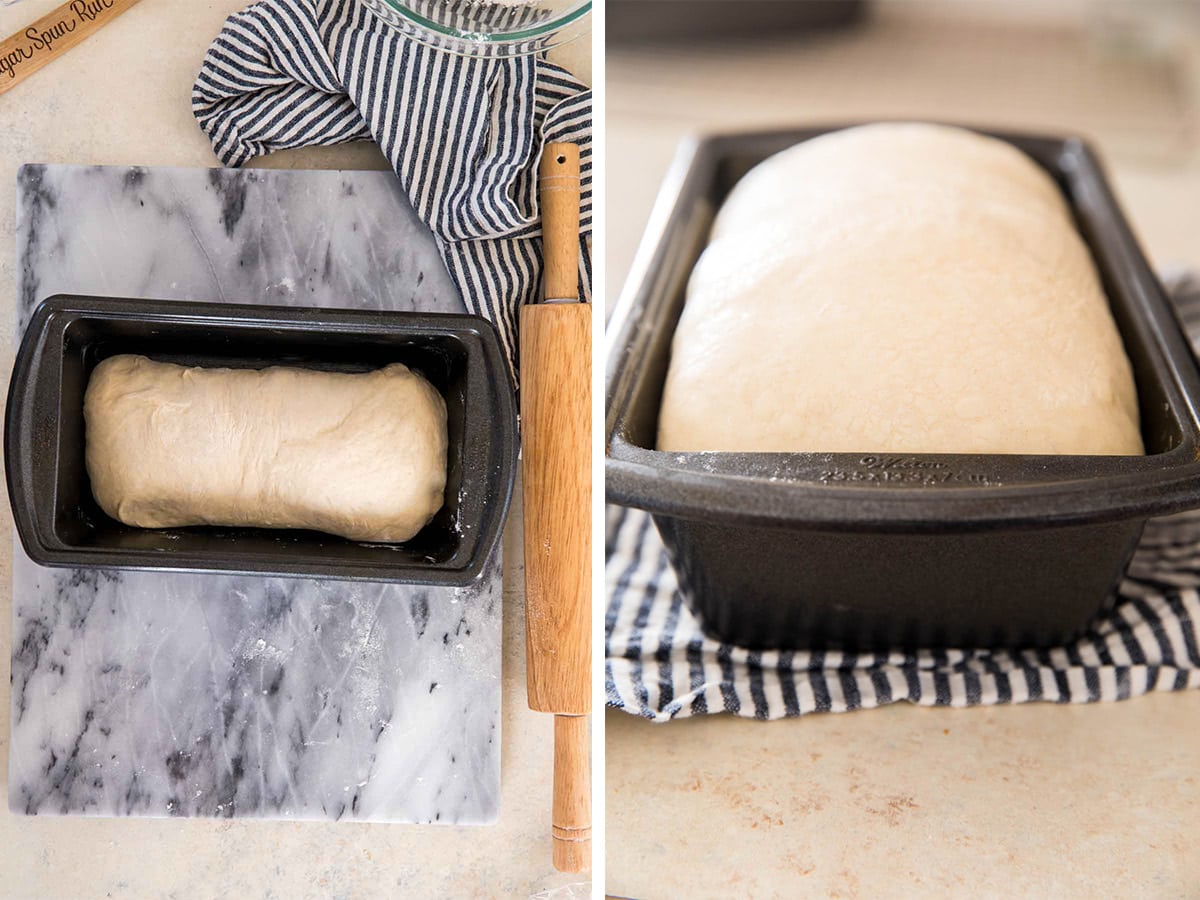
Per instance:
(156,694)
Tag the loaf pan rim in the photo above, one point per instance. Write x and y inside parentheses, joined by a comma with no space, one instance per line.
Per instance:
(43,545)
(636,476)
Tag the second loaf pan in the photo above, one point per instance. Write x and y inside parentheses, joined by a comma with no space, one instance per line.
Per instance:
(875,550)
(60,524)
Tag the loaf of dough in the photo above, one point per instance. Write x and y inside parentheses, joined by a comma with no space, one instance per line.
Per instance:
(358,455)
(900,288)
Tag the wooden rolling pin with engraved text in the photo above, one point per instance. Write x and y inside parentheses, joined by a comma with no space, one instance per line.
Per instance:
(26,51)
(556,414)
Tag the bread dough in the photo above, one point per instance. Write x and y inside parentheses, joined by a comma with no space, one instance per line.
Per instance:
(898,288)
(358,455)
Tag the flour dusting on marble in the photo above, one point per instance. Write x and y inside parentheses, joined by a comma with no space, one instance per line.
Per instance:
(151,693)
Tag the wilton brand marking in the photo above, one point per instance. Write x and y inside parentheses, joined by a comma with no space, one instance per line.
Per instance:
(901,470)
(899,462)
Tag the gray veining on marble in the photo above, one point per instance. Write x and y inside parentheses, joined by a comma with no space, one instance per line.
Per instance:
(149,693)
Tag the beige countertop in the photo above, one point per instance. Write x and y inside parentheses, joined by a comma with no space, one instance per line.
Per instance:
(1029,801)
(123,98)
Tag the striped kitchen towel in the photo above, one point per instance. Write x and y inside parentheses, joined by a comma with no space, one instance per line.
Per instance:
(661,666)
(464,135)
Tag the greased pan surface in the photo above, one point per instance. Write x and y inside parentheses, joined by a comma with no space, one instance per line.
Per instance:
(60,524)
(875,550)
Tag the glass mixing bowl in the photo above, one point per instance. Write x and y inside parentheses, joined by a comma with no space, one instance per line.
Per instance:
(486,28)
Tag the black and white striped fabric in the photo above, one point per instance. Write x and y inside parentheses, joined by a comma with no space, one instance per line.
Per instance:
(661,666)
(464,135)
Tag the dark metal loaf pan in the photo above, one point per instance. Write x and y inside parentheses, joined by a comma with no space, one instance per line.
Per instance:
(875,551)
(60,524)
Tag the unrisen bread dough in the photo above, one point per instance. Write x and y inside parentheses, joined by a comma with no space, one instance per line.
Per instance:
(358,455)
(898,288)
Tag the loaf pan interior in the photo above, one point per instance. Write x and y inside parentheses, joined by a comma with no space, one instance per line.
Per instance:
(768,487)
(447,350)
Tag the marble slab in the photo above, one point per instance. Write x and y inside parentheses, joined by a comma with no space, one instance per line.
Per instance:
(160,694)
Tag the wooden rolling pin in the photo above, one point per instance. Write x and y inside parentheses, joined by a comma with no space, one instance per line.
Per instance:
(26,51)
(556,415)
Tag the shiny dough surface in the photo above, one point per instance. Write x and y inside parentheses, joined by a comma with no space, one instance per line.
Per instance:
(899,288)
(357,455)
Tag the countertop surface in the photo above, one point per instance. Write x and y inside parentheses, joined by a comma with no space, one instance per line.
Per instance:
(123,98)
(1029,801)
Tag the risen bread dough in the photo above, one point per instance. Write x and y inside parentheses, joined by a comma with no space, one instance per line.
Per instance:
(898,288)
(358,455)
